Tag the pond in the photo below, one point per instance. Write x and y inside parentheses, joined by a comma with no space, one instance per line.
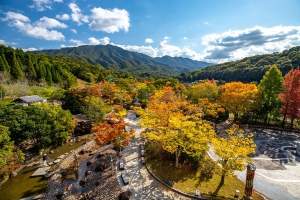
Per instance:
(23,185)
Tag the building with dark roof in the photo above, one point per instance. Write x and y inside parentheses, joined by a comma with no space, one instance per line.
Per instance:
(27,100)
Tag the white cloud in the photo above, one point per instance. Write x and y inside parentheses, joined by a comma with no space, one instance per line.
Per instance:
(109,21)
(237,44)
(2,42)
(76,15)
(63,17)
(39,29)
(77,42)
(46,22)
(149,40)
(30,49)
(148,50)
(73,30)
(41,5)
(102,41)
(185,38)
(15,16)
(163,49)
(205,23)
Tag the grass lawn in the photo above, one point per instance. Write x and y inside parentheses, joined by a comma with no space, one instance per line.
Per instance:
(187,179)
(122,112)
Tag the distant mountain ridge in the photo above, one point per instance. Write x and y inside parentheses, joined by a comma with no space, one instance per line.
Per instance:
(186,64)
(117,59)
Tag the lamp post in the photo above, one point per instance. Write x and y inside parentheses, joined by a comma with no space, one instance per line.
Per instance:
(112,167)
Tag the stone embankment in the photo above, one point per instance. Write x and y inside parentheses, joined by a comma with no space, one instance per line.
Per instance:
(95,176)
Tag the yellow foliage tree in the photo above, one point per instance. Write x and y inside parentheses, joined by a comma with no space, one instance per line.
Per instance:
(172,122)
(233,152)
(206,89)
(239,98)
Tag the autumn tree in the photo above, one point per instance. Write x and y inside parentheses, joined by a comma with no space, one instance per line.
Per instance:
(172,122)
(212,111)
(233,152)
(206,89)
(271,85)
(238,98)
(122,97)
(115,132)
(291,96)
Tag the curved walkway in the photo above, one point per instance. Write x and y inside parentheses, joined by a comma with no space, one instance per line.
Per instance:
(277,174)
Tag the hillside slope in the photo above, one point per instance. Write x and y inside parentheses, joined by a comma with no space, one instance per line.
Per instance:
(248,69)
(119,60)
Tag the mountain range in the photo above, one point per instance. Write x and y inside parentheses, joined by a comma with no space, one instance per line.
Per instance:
(119,60)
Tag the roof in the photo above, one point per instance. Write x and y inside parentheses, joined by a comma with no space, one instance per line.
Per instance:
(30,99)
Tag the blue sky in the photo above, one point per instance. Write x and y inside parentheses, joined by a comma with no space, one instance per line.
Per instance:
(208,30)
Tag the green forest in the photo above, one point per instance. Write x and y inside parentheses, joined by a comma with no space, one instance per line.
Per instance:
(249,69)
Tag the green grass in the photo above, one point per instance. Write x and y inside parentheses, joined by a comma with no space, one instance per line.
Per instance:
(188,179)
(122,112)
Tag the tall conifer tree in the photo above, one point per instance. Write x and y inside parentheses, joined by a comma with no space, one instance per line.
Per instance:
(16,71)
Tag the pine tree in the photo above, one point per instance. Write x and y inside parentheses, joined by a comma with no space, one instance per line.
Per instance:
(48,75)
(16,71)
(6,66)
(2,66)
(30,69)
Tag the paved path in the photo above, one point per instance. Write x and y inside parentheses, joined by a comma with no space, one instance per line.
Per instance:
(277,174)
(142,184)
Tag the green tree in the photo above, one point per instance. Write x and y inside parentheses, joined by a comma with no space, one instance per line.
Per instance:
(31,73)
(6,146)
(6,67)
(271,85)
(15,69)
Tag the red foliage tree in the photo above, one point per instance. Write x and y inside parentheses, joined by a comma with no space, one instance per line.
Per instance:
(291,96)
(114,132)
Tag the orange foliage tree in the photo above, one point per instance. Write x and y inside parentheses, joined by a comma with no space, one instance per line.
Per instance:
(239,98)
(175,124)
(115,132)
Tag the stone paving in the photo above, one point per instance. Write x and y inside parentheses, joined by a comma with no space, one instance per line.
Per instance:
(277,173)
(142,184)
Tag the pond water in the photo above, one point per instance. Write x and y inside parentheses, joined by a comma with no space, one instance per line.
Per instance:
(23,185)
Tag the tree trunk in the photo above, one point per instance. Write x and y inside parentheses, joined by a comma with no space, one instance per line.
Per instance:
(177,154)
(236,115)
(220,184)
(282,124)
(292,123)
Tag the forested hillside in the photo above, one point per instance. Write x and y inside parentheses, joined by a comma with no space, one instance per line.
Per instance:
(248,69)
(119,60)
(37,68)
